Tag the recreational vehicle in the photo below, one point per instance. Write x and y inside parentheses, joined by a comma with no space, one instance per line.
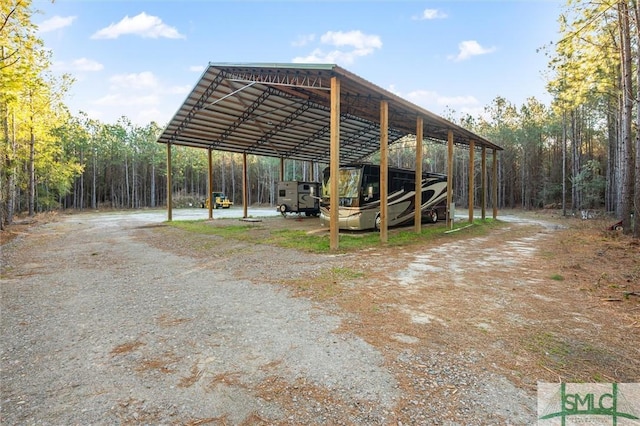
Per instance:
(299,197)
(359,196)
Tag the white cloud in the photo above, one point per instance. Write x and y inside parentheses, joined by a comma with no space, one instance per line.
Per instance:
(350,45)
(457,100)
(78,65)
(429,14)
(332,57)
(144,25)
(469,48)
(150,114)
(437,103)
(178,90)
(355,39)
(121,99)
(136,81)
(303,40)
(55,23)
(142,97)
(196,68)
(422,97)
(144,81)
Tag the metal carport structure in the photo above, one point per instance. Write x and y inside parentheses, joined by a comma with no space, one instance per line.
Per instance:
(310,112)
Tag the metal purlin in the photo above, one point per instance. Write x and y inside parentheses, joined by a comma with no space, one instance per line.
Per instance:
(198,106)
(282,125)
(246,114)
(324,130)
(315,136)
(394,136)
(352,139)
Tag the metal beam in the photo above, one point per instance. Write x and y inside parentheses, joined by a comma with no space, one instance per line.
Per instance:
(299,80)
(283,124)
(198,106)
(246,114)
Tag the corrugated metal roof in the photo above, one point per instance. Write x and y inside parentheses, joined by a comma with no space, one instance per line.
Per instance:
(283,110)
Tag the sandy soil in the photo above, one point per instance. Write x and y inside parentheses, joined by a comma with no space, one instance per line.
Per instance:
(112,319)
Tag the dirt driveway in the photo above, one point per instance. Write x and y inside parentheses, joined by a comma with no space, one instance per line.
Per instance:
(114,319)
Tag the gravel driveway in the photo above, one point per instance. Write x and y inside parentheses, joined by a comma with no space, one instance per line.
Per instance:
(117,319)
(101,329)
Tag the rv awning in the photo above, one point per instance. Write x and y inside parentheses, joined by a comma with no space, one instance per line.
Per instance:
(283,110)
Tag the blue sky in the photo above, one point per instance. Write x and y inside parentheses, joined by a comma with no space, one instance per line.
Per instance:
(140,59)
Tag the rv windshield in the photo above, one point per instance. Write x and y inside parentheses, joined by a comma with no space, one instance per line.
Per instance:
(348,183)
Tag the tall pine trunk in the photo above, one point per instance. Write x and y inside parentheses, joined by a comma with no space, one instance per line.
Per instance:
(94,181)
(32,171)
(153,184)
(564,163)
(611,194)
(5,173)
(575,157)
(627,117)
(636,210)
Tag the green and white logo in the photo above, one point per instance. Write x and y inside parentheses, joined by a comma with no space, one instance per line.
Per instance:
(568,404)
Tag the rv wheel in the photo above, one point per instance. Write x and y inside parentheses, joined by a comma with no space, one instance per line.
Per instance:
(378,222)
(283,208)
(433,216)
(618,228)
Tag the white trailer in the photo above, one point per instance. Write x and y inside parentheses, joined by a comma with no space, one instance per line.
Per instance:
(299,197)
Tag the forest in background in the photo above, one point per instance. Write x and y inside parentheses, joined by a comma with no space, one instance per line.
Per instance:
(579,152)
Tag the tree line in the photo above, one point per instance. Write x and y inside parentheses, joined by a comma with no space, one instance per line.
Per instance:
(579,152)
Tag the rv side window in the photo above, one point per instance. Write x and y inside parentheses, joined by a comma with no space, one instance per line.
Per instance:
(372,190)
(305,187)
(283,192)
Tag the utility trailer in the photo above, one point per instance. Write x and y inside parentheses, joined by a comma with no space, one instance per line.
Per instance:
(299,197)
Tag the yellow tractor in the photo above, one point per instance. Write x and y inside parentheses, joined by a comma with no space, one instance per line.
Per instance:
(221,201)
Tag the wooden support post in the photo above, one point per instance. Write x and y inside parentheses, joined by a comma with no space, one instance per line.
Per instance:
(245,186)
(472,150)
(281,168)
(210,183)
(384,170)
(169,185)
(449,179)
(334,163)
(483,183)
(495,183)
(418,213)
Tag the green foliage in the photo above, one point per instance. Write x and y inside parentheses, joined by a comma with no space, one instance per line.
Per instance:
(319,243)
(586,58)
(33,119)
(345,273)
(238,232)
(85,163)
(592,184)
